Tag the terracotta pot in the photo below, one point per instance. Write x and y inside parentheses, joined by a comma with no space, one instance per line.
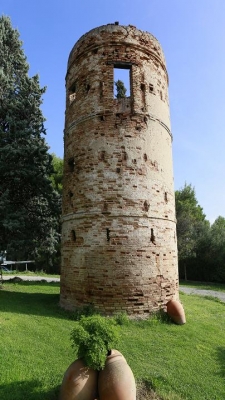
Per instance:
(176,312)
(116,380)
(79,382)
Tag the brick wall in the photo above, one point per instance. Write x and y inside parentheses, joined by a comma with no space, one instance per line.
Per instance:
(119,249)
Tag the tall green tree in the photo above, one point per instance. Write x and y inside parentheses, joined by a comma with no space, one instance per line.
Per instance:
(191,227)
(51,262)
(57,174)
(216,251)
(120,89)
(29,205)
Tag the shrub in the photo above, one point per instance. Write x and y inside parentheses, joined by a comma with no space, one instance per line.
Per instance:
(122,318)
(92,338)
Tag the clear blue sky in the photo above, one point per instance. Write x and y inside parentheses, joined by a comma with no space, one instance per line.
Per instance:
(192,34)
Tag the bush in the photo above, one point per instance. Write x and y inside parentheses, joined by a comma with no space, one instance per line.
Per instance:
(122,318)
(92,338)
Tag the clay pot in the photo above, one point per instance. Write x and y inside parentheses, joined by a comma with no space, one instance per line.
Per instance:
(116,380)
(79,382)
(176,312)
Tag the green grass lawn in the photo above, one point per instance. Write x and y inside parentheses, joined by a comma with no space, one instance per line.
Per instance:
(179,362)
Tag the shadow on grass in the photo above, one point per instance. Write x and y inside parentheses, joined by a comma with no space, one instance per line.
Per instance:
(221,358)
(33,303)
(27,390)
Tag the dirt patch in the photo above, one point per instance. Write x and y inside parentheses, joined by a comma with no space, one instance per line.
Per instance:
(145,392)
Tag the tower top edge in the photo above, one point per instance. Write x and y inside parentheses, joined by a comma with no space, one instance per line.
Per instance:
(126,33)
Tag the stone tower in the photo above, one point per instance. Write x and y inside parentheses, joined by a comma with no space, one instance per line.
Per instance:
(119,249)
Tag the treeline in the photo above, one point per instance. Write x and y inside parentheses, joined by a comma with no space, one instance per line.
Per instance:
(201,245)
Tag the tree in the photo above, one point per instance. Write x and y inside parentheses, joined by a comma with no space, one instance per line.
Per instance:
(57,175)
(121,90)
(216,251)
(191,227)
(51,261)
(29,205)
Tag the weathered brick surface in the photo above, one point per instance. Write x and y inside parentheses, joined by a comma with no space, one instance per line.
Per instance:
(119,249)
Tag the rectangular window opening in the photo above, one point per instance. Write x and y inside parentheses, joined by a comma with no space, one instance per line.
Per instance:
(151,88)
(71,164)
(121,78)
(72,92)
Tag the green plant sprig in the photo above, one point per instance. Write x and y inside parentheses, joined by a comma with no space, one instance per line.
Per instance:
(93,337)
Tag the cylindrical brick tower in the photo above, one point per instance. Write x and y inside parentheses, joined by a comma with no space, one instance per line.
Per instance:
(119,249)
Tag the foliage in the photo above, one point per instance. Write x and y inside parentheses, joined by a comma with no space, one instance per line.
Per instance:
(50,262)
(85,311)
(121,90)
(92,338)
(29,206)
(201,247)
(214,255)
(57,174)
(190,220)
(191,225)
(178,362)
(121,318)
